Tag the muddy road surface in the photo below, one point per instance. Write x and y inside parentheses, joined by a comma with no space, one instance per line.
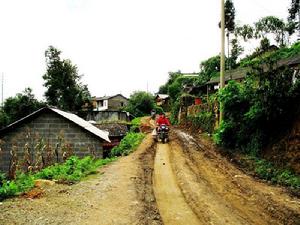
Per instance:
(183,182)
(215,190)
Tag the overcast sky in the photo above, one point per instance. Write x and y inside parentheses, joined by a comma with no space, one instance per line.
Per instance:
(120,46)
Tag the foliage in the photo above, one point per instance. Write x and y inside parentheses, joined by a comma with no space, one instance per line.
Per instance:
(203,120)
(210,68)
(267,171)
(245,31)
(294,9)
(135,124)
(282,53)
(17,107)
(174,112)
(22,183)
(272,25)
(62,81)
(229,16)
(140,103)
(236,51)
(256,112)
(72,170)
(128,144)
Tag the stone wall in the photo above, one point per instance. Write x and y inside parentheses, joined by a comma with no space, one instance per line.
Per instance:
(51,134)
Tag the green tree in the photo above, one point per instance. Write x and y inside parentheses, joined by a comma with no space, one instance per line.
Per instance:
(272,25)
(229,25)
(229,11)
(236,51)
(64,89)
(294,11)
(140,103)
(210,68)
(17,107)
(245,31)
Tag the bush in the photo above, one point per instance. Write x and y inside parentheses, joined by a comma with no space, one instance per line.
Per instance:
(135,124)
(204,120)
(72,170)
(267,171)
(22,183)
(256,112)
(128,144)
(174,112)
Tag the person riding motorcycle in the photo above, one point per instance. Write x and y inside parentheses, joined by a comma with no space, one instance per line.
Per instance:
(162,119)
(161,131)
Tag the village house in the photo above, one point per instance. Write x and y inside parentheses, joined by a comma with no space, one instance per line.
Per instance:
(109,103)
(109,108)
(47,136)
(163,101)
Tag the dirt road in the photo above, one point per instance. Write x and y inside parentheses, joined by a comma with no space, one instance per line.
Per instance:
(171,203)
(120,194)
(183,182)
(219,193)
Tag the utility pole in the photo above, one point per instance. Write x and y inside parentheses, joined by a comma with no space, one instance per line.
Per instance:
(222,66)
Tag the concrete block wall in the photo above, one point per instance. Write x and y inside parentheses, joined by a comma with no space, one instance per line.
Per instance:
(51,128)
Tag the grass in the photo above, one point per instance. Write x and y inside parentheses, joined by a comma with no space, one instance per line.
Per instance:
(72,170)
(267,171)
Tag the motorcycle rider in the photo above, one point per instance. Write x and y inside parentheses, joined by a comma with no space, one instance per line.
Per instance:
(162,119)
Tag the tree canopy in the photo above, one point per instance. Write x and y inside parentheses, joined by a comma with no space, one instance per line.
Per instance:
(17,107)
(64,89)
(140,103)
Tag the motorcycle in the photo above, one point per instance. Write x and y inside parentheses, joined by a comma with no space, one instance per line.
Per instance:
(163,133)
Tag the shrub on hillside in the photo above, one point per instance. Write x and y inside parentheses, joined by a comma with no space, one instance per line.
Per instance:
(128,144)
(258,110)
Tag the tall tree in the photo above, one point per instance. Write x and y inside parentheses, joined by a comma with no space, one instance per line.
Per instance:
(64,89)
(229,10)
(294,11)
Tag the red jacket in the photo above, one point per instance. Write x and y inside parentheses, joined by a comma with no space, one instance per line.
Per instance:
(163,120)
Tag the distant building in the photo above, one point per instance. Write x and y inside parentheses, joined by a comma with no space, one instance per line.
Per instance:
(49,135)
(109,108)
(111,103)
(163,101)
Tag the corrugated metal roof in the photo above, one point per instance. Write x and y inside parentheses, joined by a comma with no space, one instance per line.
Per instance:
(108,97)
(162,96)
(70,116)
(84,124)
